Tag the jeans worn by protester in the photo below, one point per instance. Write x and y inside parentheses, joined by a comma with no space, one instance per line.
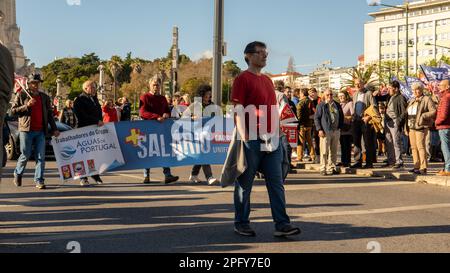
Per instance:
(33,128)
(443,126)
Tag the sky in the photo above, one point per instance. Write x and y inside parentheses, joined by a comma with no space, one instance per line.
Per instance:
(309,31)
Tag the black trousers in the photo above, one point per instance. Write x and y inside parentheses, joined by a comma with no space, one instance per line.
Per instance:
(366,132)
(346,149)
(206,170)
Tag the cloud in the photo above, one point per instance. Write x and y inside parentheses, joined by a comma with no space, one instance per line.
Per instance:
(207,54)
(73,2)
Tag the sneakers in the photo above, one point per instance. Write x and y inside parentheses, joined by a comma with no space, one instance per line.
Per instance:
(84,183)
(171,179)
(356,166)
(18,180)
(287,231)
(40,185)
(194,179)
(213,181)
(99,181)
(246,231)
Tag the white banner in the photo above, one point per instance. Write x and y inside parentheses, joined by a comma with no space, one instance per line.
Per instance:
(87,151)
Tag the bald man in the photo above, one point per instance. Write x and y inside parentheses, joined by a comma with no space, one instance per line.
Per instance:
(443,124)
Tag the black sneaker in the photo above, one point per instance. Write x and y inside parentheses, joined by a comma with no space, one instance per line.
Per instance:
(356,166)
(368,166)
(246,231)
(18,180)
(171,179)
(147,180)
(335,172)
(286,231)
(99,181)
(397,166)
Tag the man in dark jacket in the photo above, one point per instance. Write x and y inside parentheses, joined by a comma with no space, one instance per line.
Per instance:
(125,108)
(6,87)
(88,112)
(329,120)
(35,114)
(305,109)
(394,123)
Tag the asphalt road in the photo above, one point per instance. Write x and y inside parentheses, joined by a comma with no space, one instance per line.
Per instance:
(338,214)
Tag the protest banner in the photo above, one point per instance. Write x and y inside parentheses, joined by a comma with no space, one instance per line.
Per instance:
(150,144)
(87,151)
(143,144)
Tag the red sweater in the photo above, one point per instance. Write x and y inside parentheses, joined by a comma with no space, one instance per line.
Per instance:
(109,114)
(153,107)
(443,113)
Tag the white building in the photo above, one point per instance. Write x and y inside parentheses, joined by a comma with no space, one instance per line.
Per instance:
(429,23)
(288,78)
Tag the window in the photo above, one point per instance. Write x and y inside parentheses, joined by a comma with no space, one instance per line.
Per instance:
(382,43)
(388,43)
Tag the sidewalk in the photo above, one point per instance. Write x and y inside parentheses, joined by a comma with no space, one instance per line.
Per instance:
(389,173)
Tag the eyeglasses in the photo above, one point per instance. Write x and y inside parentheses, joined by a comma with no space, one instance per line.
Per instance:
(261,52)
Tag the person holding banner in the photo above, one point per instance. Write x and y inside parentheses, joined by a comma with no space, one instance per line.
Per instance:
(395,121)
(6,87)
(35,113)
(89,112)
(443,124)
(421,114)
(205,92)
(255,90)
(154,106)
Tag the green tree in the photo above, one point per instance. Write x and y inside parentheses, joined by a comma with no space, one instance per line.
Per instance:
(191,85)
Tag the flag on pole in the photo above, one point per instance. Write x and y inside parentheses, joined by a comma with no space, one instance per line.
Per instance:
(405,90)
(20,83)
(435,73)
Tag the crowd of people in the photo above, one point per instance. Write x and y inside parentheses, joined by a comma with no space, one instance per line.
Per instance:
(369,124)
(366,124)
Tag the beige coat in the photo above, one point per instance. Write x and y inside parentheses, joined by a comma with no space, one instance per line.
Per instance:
(426,113)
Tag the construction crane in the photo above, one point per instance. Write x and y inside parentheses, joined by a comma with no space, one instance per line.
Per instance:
(323,64)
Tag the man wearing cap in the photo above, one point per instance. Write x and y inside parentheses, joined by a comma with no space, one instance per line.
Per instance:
(35,115)
(6,87)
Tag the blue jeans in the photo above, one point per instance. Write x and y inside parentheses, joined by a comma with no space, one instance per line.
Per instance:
(27,141)
(445,144)
(270,165)
(166,172)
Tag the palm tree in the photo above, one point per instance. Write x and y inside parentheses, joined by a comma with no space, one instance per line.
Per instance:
(115,67)
(365,74)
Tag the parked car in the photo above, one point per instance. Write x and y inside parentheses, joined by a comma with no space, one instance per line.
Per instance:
(13,145)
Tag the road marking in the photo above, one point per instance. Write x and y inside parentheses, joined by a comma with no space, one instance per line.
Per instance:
(373,211)
(139,177)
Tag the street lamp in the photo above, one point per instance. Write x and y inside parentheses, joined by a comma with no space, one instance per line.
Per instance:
(430,44)
(405,8)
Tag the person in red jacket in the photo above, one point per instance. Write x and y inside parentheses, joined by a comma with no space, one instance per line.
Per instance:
(443,124)
(154,106)
(109,112)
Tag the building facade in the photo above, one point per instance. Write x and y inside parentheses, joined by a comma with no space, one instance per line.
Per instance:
(10,33)
(428,33)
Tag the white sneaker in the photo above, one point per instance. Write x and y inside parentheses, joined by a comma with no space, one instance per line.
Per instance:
(194,179)
(84,183)
(213,181)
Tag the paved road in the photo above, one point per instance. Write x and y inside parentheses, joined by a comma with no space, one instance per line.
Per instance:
(341,214)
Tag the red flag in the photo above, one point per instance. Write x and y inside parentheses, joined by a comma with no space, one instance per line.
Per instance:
(19,83)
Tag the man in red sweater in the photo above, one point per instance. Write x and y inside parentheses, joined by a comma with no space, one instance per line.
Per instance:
(154,106)
(443,124)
